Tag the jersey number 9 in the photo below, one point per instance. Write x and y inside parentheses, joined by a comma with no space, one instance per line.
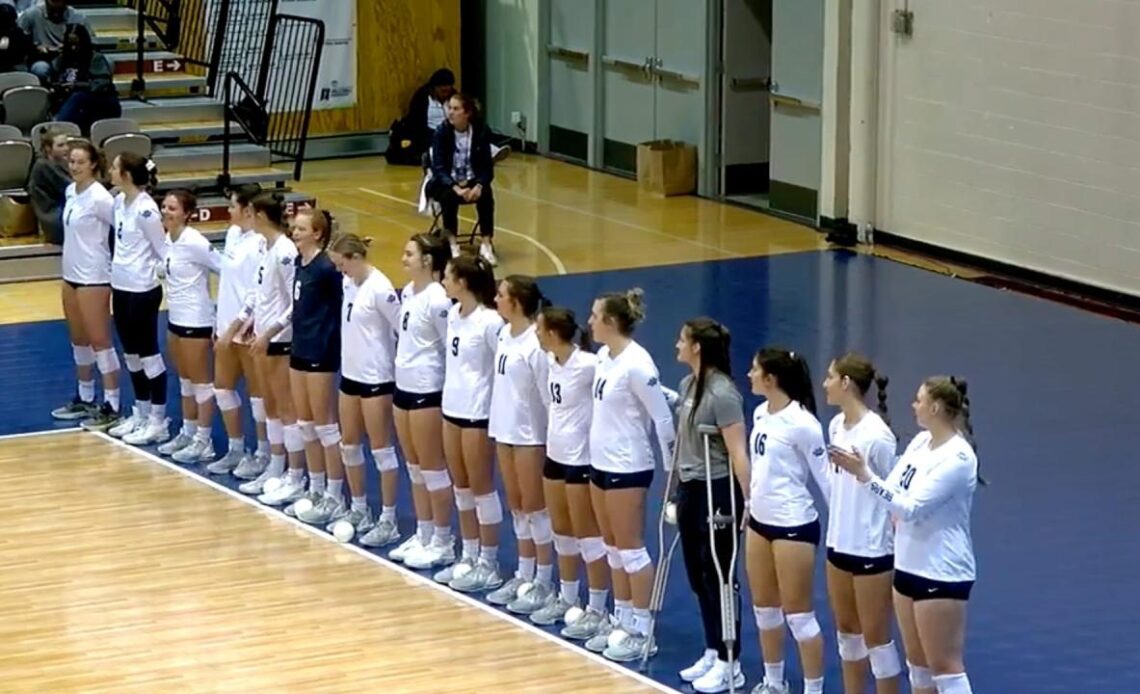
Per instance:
(455,346)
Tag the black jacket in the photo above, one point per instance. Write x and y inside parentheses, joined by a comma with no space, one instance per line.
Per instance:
(443,154)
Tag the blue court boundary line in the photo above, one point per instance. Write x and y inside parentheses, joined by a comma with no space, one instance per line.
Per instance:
(375,558)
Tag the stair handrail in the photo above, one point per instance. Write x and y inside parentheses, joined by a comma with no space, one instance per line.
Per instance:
(288,134)
(230,114)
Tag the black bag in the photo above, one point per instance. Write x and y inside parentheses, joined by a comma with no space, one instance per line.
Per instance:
(403,150)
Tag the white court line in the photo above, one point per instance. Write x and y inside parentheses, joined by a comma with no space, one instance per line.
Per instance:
(558,264)
(392,566)
(45,432)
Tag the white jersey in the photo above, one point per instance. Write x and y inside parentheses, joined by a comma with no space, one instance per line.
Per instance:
(187,267)
(571,408)
(423,336)
(369,323)
(857,524)
(471,344)
(88,218)
(271,303)
(237,278)
(140,244)
(628,405)
(519,397)
(785,448)
(931,492)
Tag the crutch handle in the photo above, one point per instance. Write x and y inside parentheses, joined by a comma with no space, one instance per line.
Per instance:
(708,429)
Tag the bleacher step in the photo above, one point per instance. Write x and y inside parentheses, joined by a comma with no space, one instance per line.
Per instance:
(178,109)
(207,179)
(159,62)
(206,157)
(111,19)
(164,84)
(124,40)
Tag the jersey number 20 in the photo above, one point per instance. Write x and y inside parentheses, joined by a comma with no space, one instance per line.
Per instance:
(907,477)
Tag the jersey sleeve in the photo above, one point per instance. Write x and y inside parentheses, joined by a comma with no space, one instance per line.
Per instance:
(333,281)
(150,224)
(882,455)
(646,388)
(809,441)
(288,272)
(203,254)
(440,309)
(105,209)
(928,491)
(388,304)
(491,332)
(540,367)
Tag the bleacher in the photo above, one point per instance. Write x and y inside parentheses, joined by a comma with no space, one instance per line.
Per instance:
(183,120)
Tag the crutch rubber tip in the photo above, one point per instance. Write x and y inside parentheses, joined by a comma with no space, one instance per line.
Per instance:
(671,513)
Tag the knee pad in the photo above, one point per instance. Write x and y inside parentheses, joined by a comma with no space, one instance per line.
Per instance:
(613,558)
(634,560)
(275,432)
(920,677)
(227,400)
(257,406)
(488,509)
(308,431)
(953,684)
(435,480)
(521,524)
(415,474)
(540,528)
(352,455)
(329,434)
(803,625)
(153,366)
(464,499)
(134,363)
(294,440)
(185,386)
(203,392)
(84,355)
(386,460)
(565,545)
(768,618)
(593,549)
(885,661)
(852,648)
(107,361)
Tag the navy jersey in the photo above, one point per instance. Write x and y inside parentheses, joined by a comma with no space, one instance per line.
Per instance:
(317,294)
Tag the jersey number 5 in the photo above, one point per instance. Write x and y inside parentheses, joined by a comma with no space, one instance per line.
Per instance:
(556,393)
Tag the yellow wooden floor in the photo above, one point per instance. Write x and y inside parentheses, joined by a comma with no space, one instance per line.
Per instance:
(119,574)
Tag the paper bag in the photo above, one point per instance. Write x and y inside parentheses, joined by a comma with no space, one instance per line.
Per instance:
(17,218)
(666,167)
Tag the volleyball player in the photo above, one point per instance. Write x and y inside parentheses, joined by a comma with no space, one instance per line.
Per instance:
(315,356)
(931,491)
(266,321)
(519,401)
(88,218)
(787,447)
(370,319)
(566,474)
(190,323)
(860,538)
(629,406)
(136,295)
(472,337)
(419,390)
(237,280)
(709,397)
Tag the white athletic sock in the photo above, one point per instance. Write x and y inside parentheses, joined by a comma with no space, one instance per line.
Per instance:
(640,620)
(335,488)
(489,552)
(359,503)
(388,513)
(111,397)
(317,482)
(425,529)
(813,686)
(470,549)
(276,465)
(544,573)
(237,444)
(296,474)
(442,535)
(622,611)
(774,672)
(87,391)
(598,599)
(570,592)
(189,427)
(144,408)
(526,568)
(263,447)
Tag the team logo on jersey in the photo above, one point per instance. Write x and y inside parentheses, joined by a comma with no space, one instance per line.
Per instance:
(443,313)
(287,261)
(146,214)
(653,381)
(392,298)
(818,453)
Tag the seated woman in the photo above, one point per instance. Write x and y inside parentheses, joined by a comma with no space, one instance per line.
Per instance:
(462,171)
(83,80)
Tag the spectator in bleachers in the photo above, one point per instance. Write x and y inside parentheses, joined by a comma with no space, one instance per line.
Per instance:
(47,186)
(47,25)
(15,47)
(84,81)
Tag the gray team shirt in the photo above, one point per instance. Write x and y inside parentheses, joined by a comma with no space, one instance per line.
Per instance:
(722,406)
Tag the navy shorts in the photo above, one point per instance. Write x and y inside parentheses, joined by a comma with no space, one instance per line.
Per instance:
(325,365)
(860,566)
(809,533)
(191,333)
(621,480)
(357,389)
(279,349)
(467,423)
(561,472)
(404,400)
(918,588)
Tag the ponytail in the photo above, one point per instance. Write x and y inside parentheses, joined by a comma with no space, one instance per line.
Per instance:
(792,374)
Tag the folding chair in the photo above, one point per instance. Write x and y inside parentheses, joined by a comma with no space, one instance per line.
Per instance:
(15,164)
(24,107)
(136,143)
(432,208)
(102,130)
(70,128)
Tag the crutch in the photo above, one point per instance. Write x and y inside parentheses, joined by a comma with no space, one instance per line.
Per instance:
(727,588)
(664,557)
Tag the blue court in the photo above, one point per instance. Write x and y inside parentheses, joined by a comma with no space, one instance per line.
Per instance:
(1053,391)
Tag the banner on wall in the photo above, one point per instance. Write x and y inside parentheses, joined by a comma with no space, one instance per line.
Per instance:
(245,41)
(336,82)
